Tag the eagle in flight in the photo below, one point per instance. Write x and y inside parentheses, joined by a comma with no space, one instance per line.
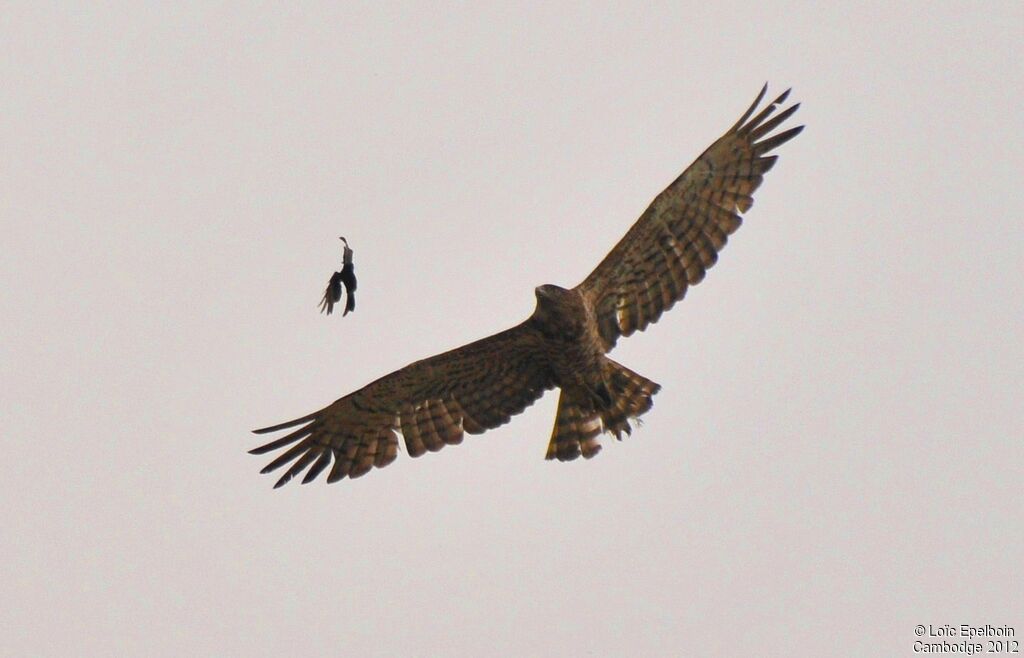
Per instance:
(563,344)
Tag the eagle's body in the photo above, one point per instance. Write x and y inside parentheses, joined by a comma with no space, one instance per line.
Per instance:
(563,344)
(595,389)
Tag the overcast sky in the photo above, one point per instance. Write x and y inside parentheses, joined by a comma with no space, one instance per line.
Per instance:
(837,451)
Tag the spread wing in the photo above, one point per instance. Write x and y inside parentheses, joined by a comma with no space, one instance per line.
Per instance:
(680,234)
(332,295)
(431,402)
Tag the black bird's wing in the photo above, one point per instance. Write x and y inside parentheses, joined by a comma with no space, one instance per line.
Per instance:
(333,293)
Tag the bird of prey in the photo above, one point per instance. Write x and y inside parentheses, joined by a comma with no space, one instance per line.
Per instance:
(346,276)
(563,344)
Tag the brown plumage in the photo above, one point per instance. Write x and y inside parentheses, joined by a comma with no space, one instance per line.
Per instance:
(480,386)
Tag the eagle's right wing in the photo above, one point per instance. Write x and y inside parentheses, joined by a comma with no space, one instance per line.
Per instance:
(472,388)
(680,234)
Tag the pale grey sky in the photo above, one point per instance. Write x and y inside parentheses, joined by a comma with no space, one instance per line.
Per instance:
(836,454)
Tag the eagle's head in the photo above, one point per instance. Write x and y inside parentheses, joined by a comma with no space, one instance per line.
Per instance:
(558,310)
(548,293)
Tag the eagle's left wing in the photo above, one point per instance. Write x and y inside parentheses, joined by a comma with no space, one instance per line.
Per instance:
(680,234)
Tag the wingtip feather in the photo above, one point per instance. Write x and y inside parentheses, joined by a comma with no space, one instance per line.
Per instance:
(286,424)
(750,110)
(322,462)
(772,143)
(298,434)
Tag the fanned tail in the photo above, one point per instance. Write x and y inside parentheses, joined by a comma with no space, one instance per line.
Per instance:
(575,431)
(579,421)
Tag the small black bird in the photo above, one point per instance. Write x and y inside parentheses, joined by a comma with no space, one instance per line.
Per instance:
(347,275)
